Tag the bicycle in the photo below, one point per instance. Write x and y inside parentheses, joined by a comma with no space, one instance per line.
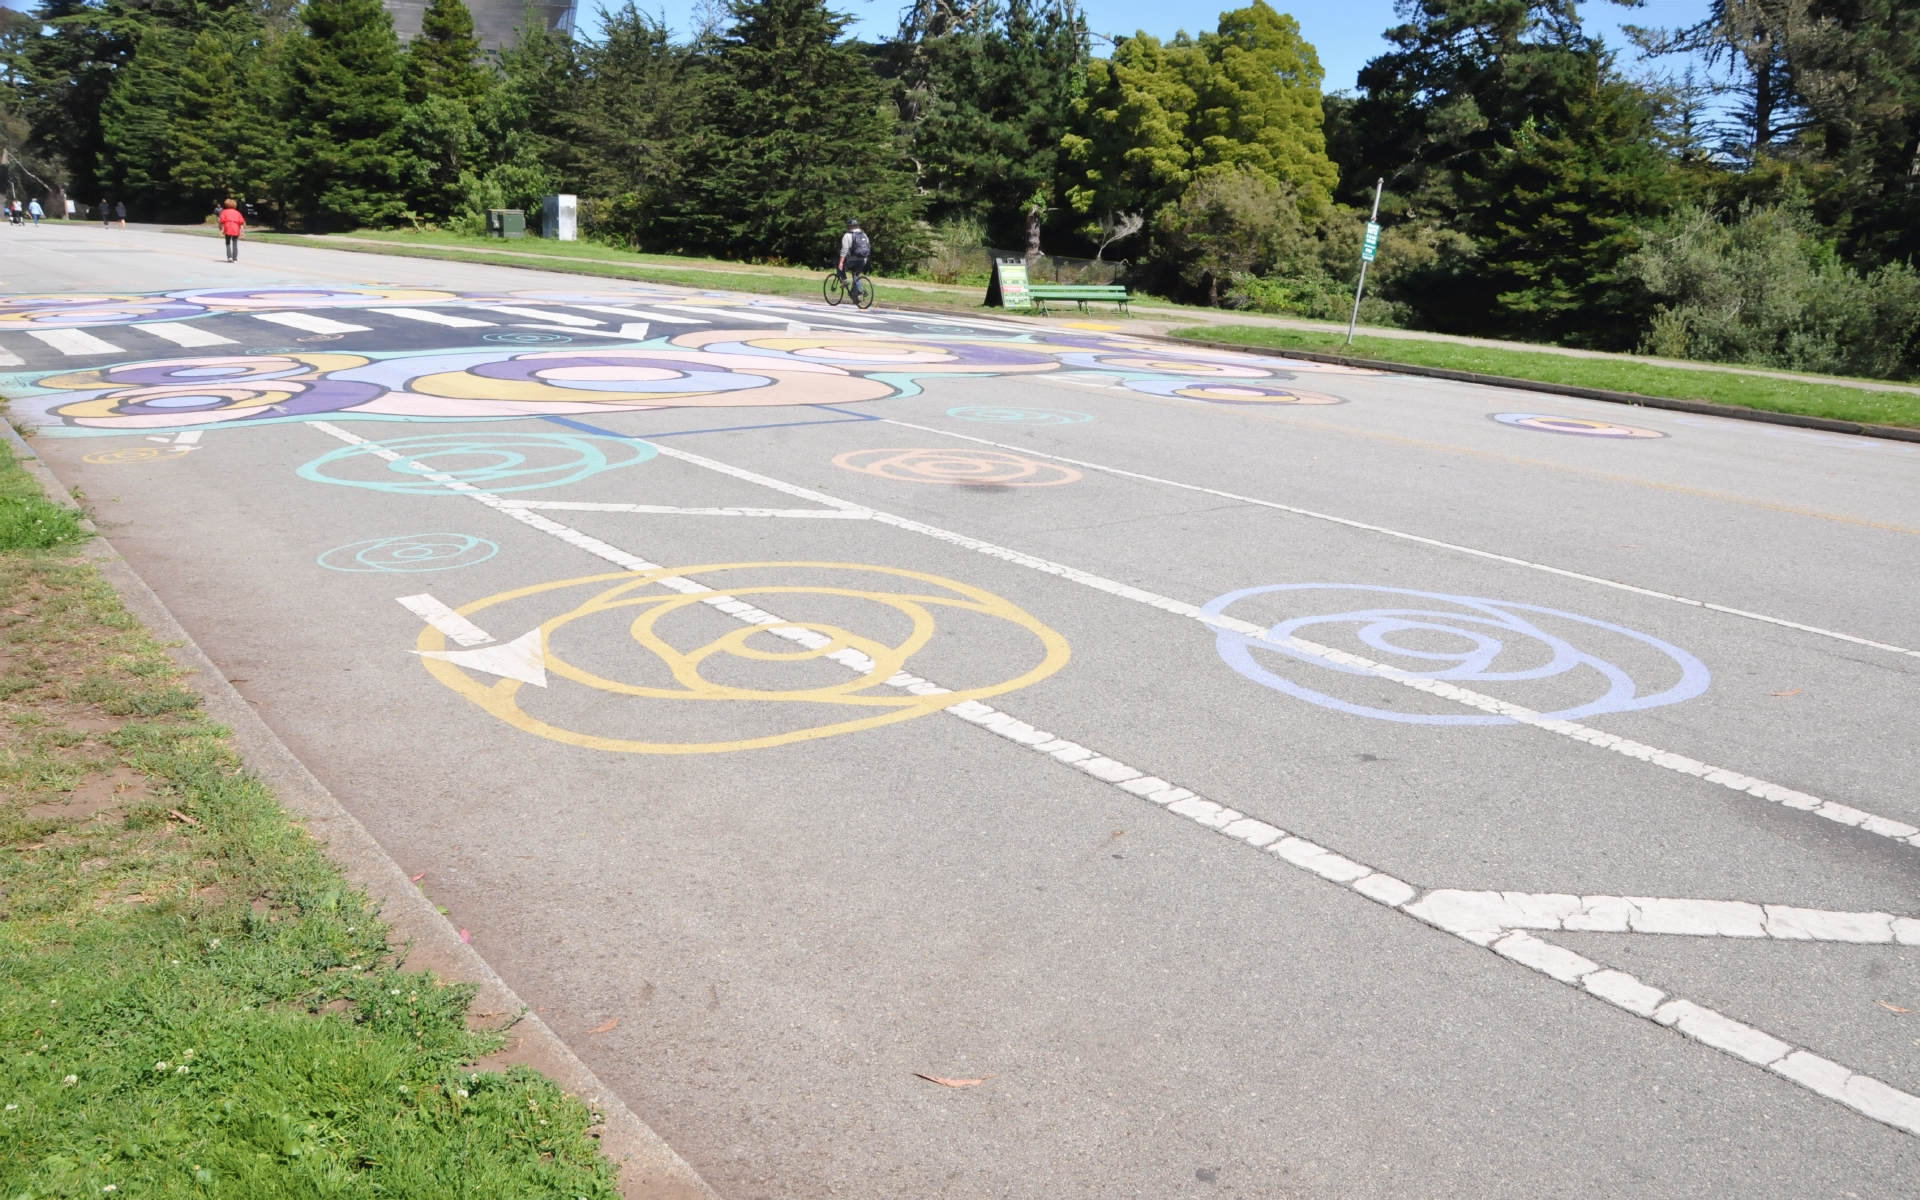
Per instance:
(841,285)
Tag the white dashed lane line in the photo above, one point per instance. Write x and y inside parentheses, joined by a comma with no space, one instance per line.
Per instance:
(1414,537)
(1484,928)
(1734,780)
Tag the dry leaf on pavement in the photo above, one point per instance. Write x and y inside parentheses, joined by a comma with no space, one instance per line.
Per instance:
(1891,1007)
(605,1026)
(953,1083)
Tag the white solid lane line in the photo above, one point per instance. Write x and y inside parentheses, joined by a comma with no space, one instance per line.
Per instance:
(1414,537)
(9,359)
(591,506)
(182,334)
(310,323)
(431,317)
(1749,785)
(447,621)
(1484,916)
(543,314)
(1862,1093)
(73,341)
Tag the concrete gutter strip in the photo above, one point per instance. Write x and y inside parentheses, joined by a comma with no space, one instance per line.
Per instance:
(649,1168)
(1734,411)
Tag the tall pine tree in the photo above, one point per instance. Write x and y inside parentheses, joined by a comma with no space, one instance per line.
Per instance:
(444,60)
(797,138)
(344,100)
(990,93)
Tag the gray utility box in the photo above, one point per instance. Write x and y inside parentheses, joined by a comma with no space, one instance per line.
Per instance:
(506,223)
(559,218)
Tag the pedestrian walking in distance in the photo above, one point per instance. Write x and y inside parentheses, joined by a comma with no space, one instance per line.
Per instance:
(232,221)
(120,212)
(35,211)
(106,215)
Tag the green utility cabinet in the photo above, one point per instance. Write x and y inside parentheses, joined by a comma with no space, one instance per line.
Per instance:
(506,223)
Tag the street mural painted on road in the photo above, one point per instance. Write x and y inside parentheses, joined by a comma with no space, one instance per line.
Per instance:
(1577,426)
(1020,416)
(410,552)
(494,462)
(549,354)
(1459,639)
(974,468)
(636,659)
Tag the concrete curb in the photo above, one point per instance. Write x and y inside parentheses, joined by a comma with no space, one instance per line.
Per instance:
(1733,411)
(649,1168)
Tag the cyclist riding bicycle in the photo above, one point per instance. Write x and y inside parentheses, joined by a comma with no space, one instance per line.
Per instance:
(855,247)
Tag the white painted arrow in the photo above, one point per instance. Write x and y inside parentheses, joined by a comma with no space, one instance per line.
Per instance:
(524,658)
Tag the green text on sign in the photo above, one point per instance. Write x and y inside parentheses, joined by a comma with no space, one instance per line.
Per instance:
(1372,243)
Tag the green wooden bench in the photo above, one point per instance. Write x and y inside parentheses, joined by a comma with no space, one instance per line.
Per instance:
(1079,293)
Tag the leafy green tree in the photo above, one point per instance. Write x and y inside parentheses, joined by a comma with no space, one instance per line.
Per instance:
(1131,150)
(795,140)
(1230,223)
(1260,106)
(1245,97)
(344,101)
(444,60)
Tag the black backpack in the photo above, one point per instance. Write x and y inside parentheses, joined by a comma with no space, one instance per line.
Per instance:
(862,246)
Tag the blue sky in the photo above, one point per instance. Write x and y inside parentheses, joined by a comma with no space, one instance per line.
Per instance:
(1345,32)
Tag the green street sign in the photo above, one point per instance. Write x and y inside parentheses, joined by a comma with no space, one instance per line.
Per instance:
(1372,243)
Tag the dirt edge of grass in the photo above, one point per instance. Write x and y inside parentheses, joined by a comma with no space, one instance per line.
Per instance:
(420,939)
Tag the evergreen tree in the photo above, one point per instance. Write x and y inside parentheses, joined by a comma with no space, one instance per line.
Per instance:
(344,101)
(989,97)
(1504,121)
(69,75)
(635,122)
(444,59)
(137,151)
(796,140)
(224,138)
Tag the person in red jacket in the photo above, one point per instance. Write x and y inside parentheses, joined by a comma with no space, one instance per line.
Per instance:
(232,221)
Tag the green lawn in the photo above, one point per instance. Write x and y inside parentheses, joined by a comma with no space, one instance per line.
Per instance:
(193,1002)
(1838,400)
(607,262)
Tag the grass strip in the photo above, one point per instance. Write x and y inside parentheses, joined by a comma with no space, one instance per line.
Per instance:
(587,258)
(193,1001)
(1835,401)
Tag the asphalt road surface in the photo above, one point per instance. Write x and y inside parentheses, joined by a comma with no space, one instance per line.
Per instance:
(1259,779)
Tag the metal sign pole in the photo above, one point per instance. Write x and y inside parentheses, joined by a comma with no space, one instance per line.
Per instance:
(1367,249)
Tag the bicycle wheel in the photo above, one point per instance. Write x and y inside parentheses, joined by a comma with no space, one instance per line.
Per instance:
(834,289)
(862,292)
